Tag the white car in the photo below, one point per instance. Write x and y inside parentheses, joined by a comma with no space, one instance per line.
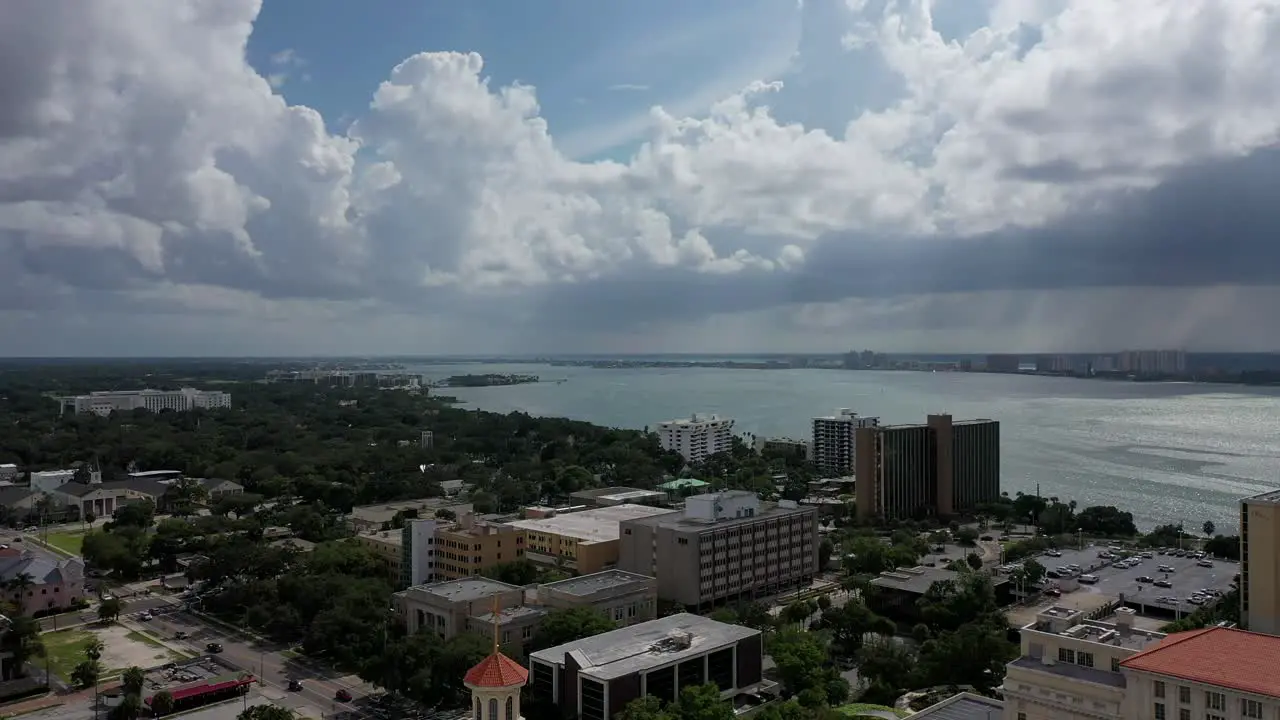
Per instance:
(146,615)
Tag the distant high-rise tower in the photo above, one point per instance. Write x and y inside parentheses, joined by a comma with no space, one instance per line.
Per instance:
(833,447)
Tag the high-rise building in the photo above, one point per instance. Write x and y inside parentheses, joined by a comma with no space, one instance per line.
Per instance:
(1153,362)
(940,468)
(1260,562)
(833,446)
(696,437)
(418,552)
(724,545)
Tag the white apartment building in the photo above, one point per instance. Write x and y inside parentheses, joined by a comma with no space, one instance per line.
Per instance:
(108,401)
(1072,668)
(697,437)
(832,448)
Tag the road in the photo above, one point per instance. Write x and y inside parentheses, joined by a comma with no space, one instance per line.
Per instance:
(319,685)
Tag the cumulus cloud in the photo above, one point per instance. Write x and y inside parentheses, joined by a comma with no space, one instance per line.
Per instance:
(148,171)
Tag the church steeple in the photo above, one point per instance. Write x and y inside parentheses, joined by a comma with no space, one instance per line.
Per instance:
(496,681)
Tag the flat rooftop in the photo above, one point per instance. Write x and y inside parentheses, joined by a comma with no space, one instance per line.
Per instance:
(511,614)
(386,511)
(963,706)
(918,580)
(598,525)
(388,537)
(590,584)
(465,590)
(1074,625)
(658,642)
(1072,671)
(680,521)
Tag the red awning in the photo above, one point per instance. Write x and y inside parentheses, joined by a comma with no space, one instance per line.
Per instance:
(198,690)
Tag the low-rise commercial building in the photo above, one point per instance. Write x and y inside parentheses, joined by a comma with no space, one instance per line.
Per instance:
(471,545)
(1072,668)
(108,401)
(594,678)
(448,607)
(625,598)
(901,588)
(610,496)
(585,542)
(722,546)
(367,518)
(103,499)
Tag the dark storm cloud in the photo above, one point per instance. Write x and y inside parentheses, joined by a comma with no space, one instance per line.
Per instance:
(1214,224)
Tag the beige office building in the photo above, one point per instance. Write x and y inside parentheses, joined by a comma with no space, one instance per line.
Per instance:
(625,598)
(722,546)
(1072,668)
(472,546)
(451,607)
(1260,562)
(583,542)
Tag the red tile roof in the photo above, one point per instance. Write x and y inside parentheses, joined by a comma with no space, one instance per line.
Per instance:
(1230,658)
(497,671)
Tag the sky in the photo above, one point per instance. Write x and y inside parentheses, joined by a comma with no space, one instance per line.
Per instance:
(290,177)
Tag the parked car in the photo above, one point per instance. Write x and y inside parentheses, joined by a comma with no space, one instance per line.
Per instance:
(1205,563)
(1163,583)
(146,615)
(1145,579)
(214,647)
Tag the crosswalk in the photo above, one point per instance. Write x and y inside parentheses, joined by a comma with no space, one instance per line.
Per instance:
(153,612)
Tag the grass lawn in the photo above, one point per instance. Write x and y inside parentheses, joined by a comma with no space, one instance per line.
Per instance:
(65,650)
(69,542)
(856,709)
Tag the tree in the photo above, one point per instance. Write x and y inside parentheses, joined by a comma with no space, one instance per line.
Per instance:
(1033,571)
(702,702)
(162,703)
(949,604)
(109,610)
(516,572)
(93,649)
(129,708)
(646,707)
(888,661)
(139,514)
(1106,521)
(1208,528)
(567,625)
(21,638)
(133,680)
(85,673)
(799,657)
(974,654)
(974,560)
(265,712)
(825,550)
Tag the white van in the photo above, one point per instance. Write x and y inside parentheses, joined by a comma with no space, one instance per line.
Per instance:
(1088,579)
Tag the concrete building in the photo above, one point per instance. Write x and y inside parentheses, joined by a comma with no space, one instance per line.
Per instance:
(942,468)
(108,401)
(724,545)
(784,446)
(963,706)
(367,518)
(47,481)
(8,471)
(696,437)
(1076,669)
(833,443)
(625,598)
(449,607)
(1260,562)
(1152,362)
(594,678)
(471,545)
(53,583)
(610,496)
(584,542)
(418,552)
(386,545)
(427,439)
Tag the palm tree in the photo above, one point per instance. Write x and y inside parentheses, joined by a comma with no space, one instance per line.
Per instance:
(132,680)
(93,649)
(20,585)
(162,703)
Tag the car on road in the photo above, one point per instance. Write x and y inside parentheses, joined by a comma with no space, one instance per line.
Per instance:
(214,647)
(146,615)
(295,685)
(1054,553)
(1163,583)
(1166,568)
(180,635)
(1205,563)
(342,695)
(1145,579)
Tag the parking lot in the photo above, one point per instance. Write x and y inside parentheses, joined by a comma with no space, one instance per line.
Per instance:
(1187,578)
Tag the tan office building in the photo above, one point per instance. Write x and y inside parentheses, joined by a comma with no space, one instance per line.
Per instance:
(1260,562)
(584,542)
(724,545)
(472,546)
(451,607)
(625,598)
(941,468)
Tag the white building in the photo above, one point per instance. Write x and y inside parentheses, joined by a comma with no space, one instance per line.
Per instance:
(106,402)
(8,471)
(833,441)
(47,481)
(1072,668)
(418,552)
(697,437)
